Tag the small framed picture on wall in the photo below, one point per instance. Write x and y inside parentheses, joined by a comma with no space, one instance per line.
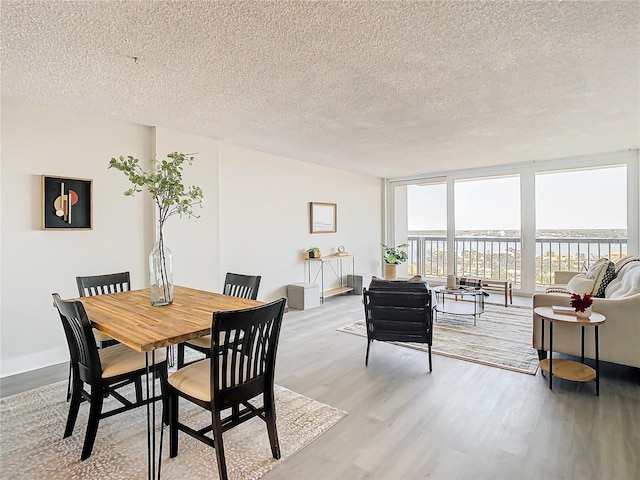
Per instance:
(323,217)
(67,203)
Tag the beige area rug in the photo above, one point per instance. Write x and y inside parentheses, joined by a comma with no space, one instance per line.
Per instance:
(502,338)
(32,447)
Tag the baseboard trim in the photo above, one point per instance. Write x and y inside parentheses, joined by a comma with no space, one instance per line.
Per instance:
(21,382)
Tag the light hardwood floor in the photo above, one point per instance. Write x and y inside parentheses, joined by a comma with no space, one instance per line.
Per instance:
(464,420)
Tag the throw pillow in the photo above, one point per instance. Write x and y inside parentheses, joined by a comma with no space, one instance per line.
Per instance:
(602,272)
(580,284)
(556,289)
(624,261)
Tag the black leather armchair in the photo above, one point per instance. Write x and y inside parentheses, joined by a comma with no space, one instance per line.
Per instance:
(398,311)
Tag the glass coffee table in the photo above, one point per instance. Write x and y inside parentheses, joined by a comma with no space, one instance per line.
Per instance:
(447,302)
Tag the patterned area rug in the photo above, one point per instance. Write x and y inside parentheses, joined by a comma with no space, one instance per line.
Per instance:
(32,447)
(502,338)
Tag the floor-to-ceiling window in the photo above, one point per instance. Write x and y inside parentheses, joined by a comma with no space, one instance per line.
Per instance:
(520,222)
(581,215)
(427,229)
(487,227)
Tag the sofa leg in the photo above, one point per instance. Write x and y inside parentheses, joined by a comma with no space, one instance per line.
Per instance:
(542,354)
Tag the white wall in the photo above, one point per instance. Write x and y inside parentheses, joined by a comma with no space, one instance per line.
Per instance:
(264,216)
(195,242)
(39,140)
(255,219)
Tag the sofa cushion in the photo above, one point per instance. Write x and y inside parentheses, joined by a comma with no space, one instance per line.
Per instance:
(580,284)
(626,283)
(624,261)
(601,272)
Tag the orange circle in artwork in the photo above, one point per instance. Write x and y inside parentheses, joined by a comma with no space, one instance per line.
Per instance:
(73,196)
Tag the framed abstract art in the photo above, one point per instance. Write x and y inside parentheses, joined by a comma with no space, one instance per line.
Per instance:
(67,203)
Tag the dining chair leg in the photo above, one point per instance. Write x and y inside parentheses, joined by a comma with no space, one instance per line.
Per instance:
(219,446)
(94,419)
(74,406)
(69,384)
(138,385)
(173,422)
(366,359)
(430,366)
(180,360)
(270,419)
(164,391)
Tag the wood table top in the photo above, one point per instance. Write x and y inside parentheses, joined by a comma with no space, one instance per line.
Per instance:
(129,317)
(548,313)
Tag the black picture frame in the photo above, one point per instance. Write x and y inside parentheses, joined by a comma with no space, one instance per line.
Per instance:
(62,210)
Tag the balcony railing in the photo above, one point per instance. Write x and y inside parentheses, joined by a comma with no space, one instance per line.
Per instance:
(500,257)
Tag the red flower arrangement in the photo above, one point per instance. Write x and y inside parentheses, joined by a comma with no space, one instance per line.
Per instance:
(581,303)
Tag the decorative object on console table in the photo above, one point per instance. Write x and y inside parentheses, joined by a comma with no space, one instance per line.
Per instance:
(393,256)
(164,182)
(323,217)
(67,203)
(582,304)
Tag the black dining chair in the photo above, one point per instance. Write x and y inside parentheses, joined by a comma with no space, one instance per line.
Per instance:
(235,285)
(100,285)
(233,380)
(103,371)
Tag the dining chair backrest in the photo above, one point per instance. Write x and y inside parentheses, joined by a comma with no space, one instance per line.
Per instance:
(80,338)
(243,286)
(103,284)
(251,338)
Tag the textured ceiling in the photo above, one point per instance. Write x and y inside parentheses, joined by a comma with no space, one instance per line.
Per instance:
(386,88)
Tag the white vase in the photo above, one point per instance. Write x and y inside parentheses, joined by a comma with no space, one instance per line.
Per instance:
(585,314)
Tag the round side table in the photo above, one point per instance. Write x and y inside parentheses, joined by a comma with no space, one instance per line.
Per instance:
(569,369)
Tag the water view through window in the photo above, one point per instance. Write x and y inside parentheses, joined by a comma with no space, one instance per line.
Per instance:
(580,216)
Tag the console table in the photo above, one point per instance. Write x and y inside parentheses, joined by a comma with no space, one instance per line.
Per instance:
(335,266)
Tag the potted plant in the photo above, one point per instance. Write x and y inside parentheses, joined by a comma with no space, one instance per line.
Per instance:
(163,180)
(582,304)
(393,256)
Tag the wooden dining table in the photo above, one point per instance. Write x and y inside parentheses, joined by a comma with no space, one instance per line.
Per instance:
(130,318)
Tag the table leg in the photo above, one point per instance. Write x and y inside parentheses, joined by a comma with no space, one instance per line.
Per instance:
(550,355)
(597,364)
(542,337)
(151,431)
(151,419)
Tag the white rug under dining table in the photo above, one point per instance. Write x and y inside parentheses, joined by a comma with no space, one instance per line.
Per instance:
(32,447)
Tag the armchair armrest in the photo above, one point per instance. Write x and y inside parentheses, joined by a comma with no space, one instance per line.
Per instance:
(562,277)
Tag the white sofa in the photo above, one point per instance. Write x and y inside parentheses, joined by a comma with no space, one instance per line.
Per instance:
(620,334)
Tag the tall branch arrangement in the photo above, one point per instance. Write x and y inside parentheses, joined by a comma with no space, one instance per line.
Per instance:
(163,180)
